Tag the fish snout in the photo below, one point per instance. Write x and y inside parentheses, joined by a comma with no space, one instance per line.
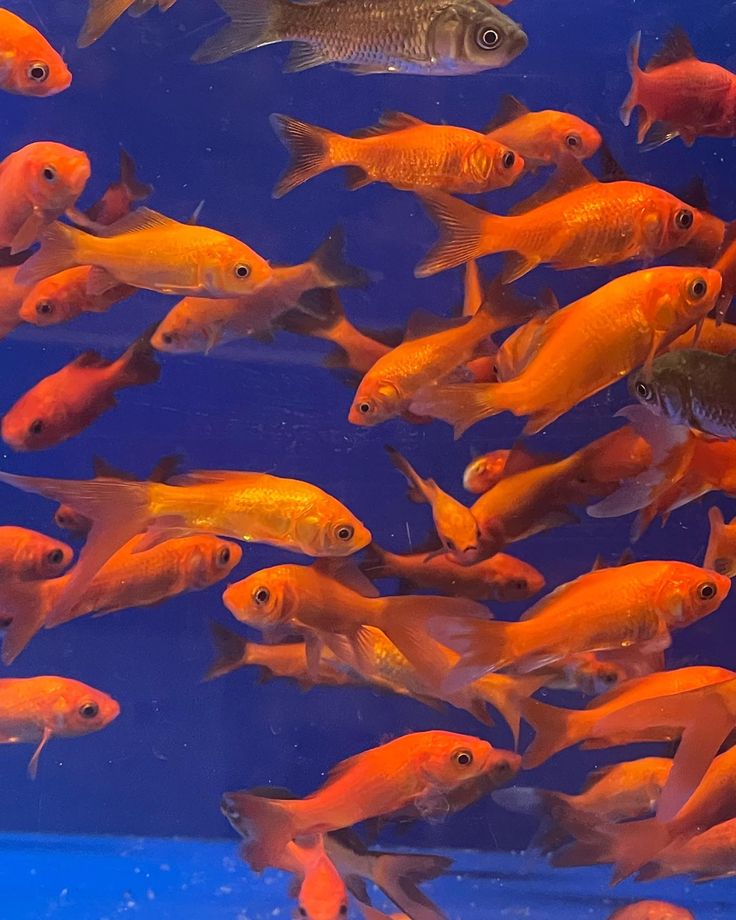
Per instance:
(504,766)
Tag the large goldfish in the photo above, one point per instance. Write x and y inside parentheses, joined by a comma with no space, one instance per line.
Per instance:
(35,709)
(26,555)
(28,64)
(585,347)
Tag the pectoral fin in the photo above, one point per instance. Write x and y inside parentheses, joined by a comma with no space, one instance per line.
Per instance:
(33,764)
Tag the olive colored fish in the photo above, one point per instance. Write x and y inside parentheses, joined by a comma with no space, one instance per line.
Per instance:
(691,387)
(421,37)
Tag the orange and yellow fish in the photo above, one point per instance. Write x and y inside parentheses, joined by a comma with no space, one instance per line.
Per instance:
(29,66)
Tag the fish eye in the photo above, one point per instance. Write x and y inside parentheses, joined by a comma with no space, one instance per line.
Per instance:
(223,557)
(55,557)
(643,391)
(707,591)
(608,677)
(520,584)
(167,338)
(450,544)
(302,912)
(722,565)
(345,532)
(261,596)
(44,307)
(509,158)
(242,270)
(573,140)
(49,173)
(365,408)
(463,758)
(488,38)
(38,72)
(36,427)
(698,288)
(343,910)
(684,219)
(89,710)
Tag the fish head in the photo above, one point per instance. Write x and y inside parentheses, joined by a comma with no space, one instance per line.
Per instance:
(54,300)
(689,593)
(55,175)
(492,535)
(450,760)
(35,422)
(492,164)
(458,530)
(471,36)
(331,531)
(485,472)
(323,895)
(592,676)
(35,68)
(660,390)
(209,559)
(514,580)
(575,137)
(69,519)
(179,334)
(232,269)
(80,710)
(40,557)
(264,599)
(375,402)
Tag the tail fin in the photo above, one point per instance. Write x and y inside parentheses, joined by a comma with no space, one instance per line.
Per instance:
(334,271)
(231,651)
(417,486)
(26,604)
(251,25)
(100,16)
(462,229)
(398,877)
(483,647)
(632,100)
(717,555)
(135,189)
(508,693)
(138,365)
(309,148)
(265,823)
(553,731)
(462,405)
(58,252)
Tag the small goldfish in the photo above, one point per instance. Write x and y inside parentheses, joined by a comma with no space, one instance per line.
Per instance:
(148,250)
(64,296)
(103,14)
(678,95)
(38,183)
(706,856)
(36,709)
(574,222)
(720,554)
(501,578)
(402,151)
(486,471)
(543,138)
(26,555)
(651,910)
(421,769)
(631,605)
(421,37)
(12,294)
(578,352)
(120,196)
(29,65)
(63,404)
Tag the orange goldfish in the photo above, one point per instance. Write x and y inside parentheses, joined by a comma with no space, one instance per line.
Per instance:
(542,138)
(63,404)
(29,65)
(632,605)
(709,336)
(12,294)
(416,770)
(62,297)
(252,507)
(456,527)
(486,471)
(36,709)
(401,150)
(720,554)
(706,856)
(26,555)
(38,184)
(651,910)
(120,196)
(579,351)
(148,250)
(197,324)
(102,14)
(574,222)
(501,578)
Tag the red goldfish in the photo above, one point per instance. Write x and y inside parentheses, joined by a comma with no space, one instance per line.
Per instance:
(38,184)
(706,856)
(35,709)
(401,150)
(651,910)
(720,554)
(12,294)
(26,555)
(28,64)
(65,403)
(416,770)
(578,351)
(542,138)
(678,95)
(64,296)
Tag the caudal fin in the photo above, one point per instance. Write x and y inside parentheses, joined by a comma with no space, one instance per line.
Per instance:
(632,100)
(135,189)
(417,486)
(251,25)
(463,405)
(138,366)
(398,877)
(57,254)
(553,731)
(333,269)
(309,149)
(462,230)
(483,647)
(100,16)
(231,651)
(26,605)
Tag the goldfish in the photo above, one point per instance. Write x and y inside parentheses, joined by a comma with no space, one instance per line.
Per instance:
(501,578)
(651,910)
(584,672)
(631,605)
(64,296)
(402,151)
(456,527)
(416,770)
(691,387)
(197,324)
(706,856)
(29,65)
(103,14)
(120,196)
(33,710)
(63,404)
(542,138)
(720,554)
(487,470)
(574,222)
(26,555)
(130,578)
(721,340)
(679,96)
(252,507)
(12,294)
(148,250)
(420,37)
(578,351)
(38,183)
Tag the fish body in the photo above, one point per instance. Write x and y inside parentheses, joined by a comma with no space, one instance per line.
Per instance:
(26,555)
(38,183)
(720,554)
(652,910)
(706,856)
(64,296)
(420,37)
(148,250)
(402,151)
(321,891)
(29,65)
(719,339)
(12,294)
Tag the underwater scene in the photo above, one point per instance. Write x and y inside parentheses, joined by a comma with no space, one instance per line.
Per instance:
(368,463)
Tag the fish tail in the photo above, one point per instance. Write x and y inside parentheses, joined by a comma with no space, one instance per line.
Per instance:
(58,252)
(417,486)
(509,702)
(632,100)
(331,266)
(100,16)
(635,845)
(251,25)
(553,731)
(135,189)
(398,876)
(463,233)
(483,646)
(26,605)
(309,147)
(714,558)
(231,651)
(138,366)
(463,405)
(267,823)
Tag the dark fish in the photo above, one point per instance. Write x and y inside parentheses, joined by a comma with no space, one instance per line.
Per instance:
(423,37)
(691,387)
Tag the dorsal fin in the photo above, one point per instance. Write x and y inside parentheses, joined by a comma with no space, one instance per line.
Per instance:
(138,220)
(423,323)
(676,47)
(695,194)
(390,122)
(570,175)
(90,359)
(104,470)
(509,110)
(347,574)
(595,776)
(613,171)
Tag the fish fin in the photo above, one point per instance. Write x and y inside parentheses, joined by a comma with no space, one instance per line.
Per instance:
(570,175)
(29,232)
(461,405)
(251,26)
(553,731)
(138,365)
(27,605)
(612,170)
(347,573)
(356,178)
(33,763)
(101,15)
(137,221)
(309,149)
(304,56)
(334,271)
(523,800)
(270,827)
(398,877)
(714,559)
(137,190)
(101,469)
(695,193)
(658,135)
(472,289)
(389,123)
(516,265)
(57,253)
(509,110)
(422,323)
(483,646)
(231,651)
(461,228)
(509,703)
(100,281)
(676,47)
(419,489)
(166,468)
(632,100)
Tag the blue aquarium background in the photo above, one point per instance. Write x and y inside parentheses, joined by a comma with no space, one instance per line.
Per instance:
(201,133)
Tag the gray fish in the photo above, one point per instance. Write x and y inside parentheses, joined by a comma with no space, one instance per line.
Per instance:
(691,387)
(422,37)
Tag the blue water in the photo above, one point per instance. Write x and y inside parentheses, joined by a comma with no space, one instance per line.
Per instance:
(202,133)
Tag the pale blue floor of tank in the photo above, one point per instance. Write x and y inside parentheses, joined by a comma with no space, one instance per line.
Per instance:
(100,878)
